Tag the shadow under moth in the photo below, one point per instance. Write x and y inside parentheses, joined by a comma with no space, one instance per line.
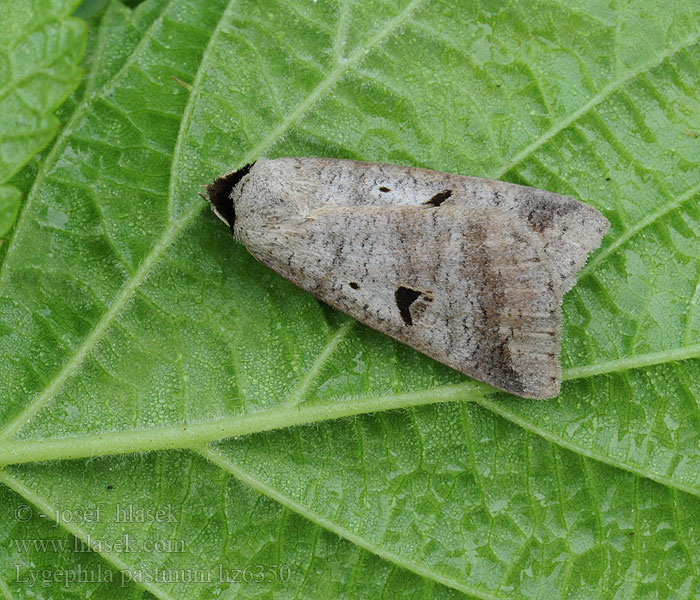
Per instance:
(468,271)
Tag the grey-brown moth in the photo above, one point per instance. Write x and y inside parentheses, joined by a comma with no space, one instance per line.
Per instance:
(466,270)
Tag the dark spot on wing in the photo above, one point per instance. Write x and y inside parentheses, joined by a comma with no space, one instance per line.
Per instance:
(439,198)
(354,285)
(384,189)
(541,208)
(404,298)
(540,217)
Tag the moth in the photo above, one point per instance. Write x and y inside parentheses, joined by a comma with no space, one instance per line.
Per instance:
(468,271)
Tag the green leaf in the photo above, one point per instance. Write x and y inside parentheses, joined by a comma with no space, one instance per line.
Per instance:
(131,322)
(9,206)
(40,51)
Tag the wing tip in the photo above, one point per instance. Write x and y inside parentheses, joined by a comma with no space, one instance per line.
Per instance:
(528,375)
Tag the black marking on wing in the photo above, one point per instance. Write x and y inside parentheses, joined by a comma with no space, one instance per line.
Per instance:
(438,198)
(404,298)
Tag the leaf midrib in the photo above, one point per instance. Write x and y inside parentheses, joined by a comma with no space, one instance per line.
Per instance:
(116,561)
(196,435)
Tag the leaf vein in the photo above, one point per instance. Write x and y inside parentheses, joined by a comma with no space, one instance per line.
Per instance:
(601,256)
(112,559)
(173,230)
(323,522)
(604,93)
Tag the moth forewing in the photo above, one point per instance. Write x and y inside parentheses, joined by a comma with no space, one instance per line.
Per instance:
(468,271)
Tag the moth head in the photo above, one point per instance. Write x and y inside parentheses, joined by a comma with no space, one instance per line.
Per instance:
(219,194)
